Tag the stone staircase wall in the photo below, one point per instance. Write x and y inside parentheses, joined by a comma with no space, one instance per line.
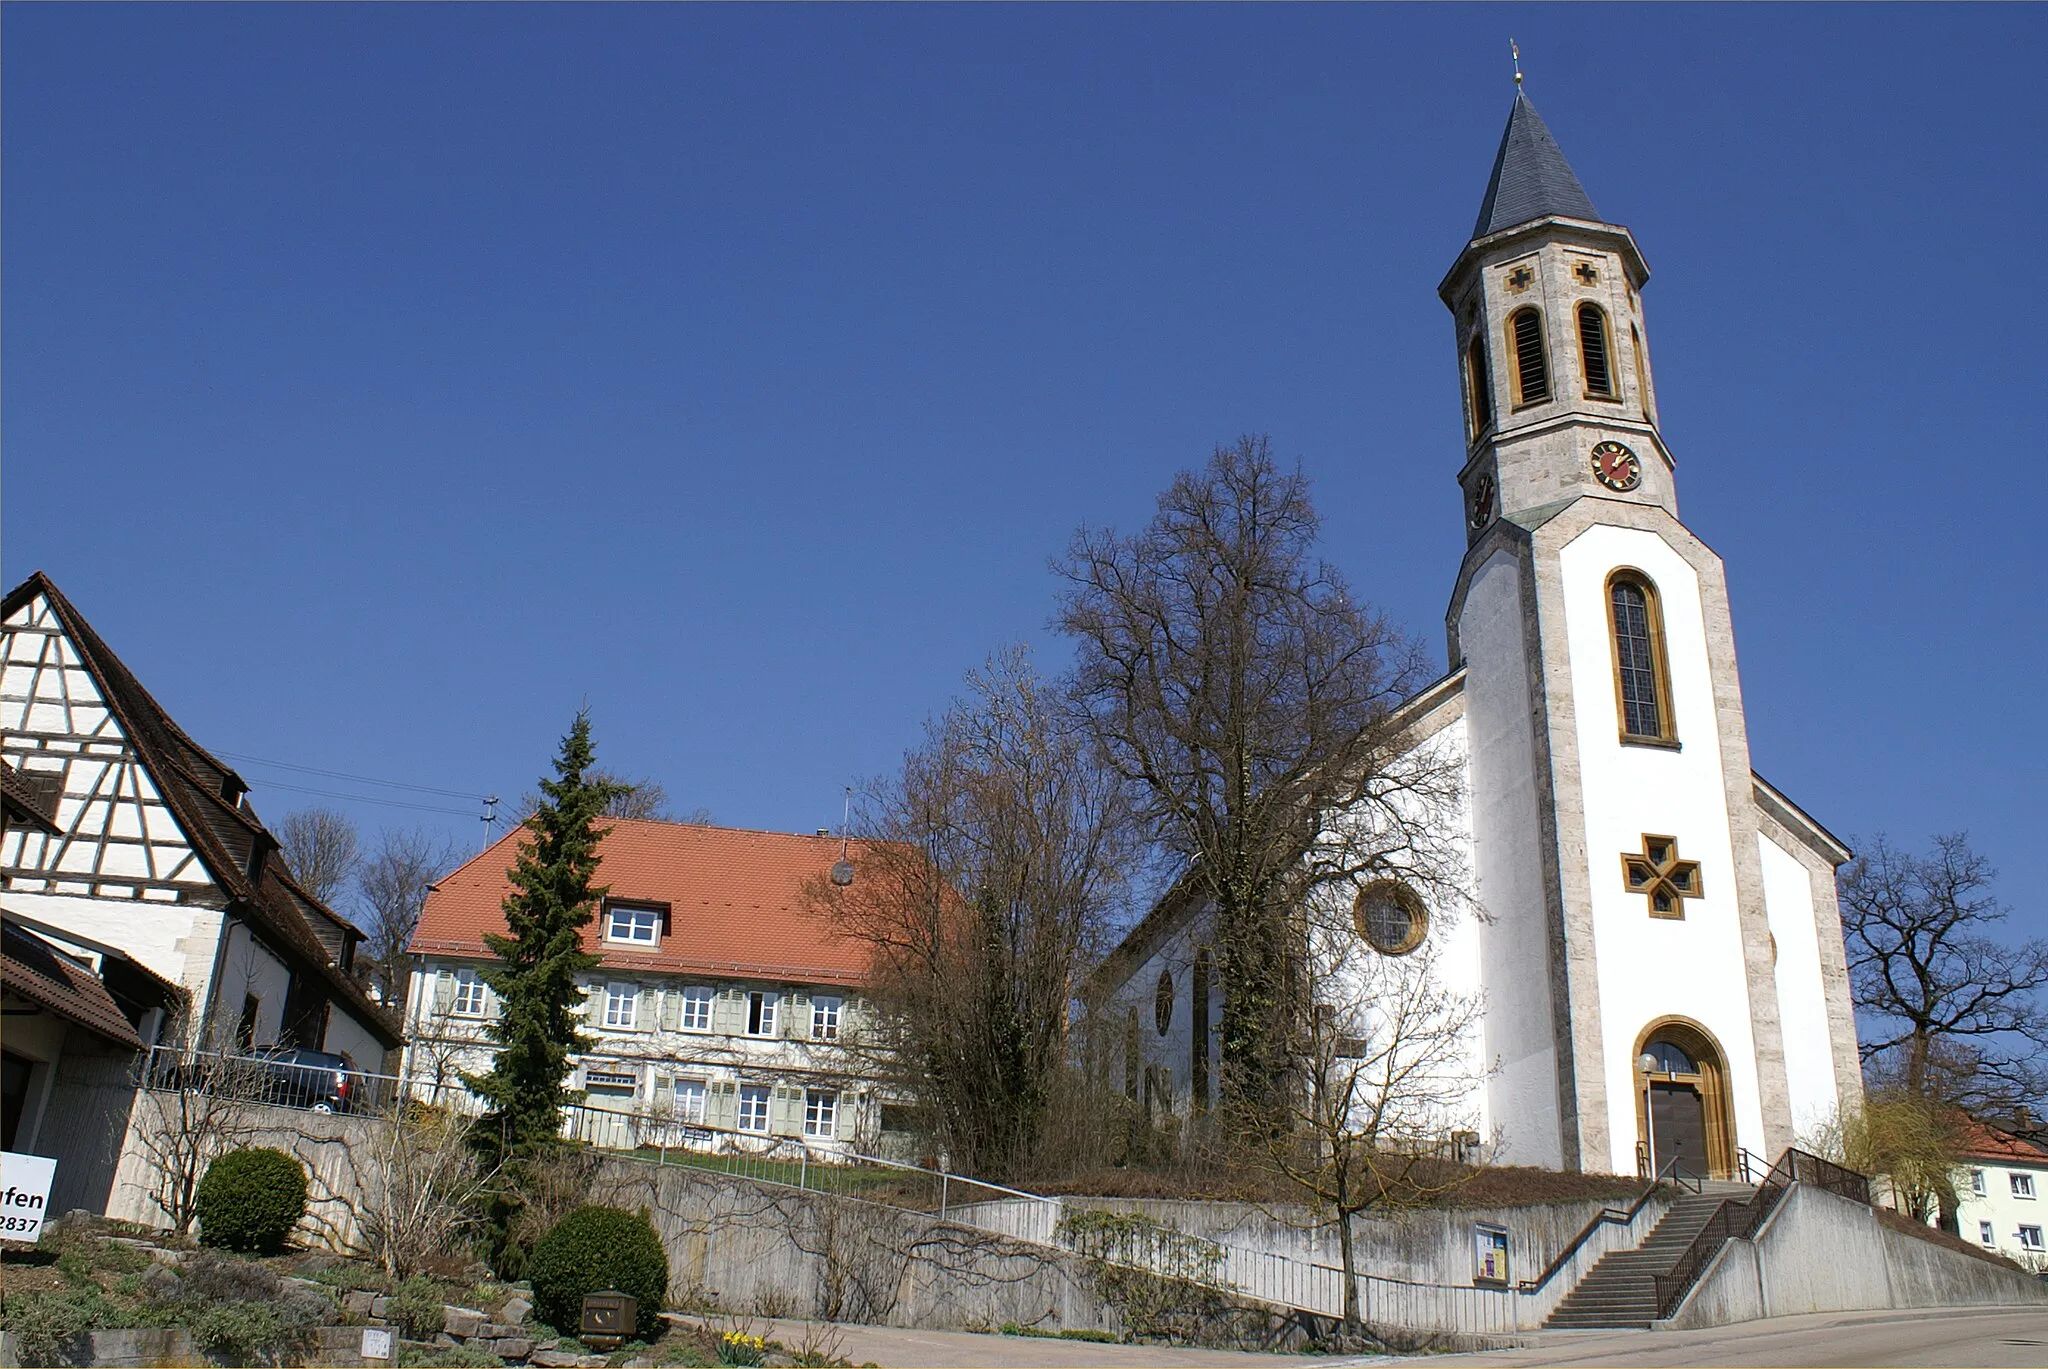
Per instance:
(1822,1253)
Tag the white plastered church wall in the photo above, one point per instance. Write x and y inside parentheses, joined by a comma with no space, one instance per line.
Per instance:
(1651,968)
(1802,991)
(1513,952)
(1453,950)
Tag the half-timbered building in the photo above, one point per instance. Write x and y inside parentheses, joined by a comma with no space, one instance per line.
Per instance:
(155,851)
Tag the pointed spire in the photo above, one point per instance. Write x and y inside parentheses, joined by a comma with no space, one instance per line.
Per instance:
(1531,179)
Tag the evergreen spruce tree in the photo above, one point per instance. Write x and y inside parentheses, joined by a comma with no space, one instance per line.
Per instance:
(551,902)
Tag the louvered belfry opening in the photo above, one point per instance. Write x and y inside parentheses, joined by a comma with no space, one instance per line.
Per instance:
(1480,382)
(1593,351)
(1532,368)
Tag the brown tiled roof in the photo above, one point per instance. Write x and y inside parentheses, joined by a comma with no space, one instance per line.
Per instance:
(204,796)
(33,969)
(1976,1141)
(736,902)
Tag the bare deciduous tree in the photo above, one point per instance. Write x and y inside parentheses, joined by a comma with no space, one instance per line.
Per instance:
(1387,1084)
(187,1112)
(1244,693)
(999,853)
(395,881)
(1947,1012)
(418,1187)
(323,849)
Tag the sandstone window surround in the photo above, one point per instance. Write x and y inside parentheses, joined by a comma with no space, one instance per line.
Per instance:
(821,1113)
(761,1012)
(622,1007)
(753,1115)
(825,1013)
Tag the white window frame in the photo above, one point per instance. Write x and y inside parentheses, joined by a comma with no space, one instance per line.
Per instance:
(635,921)
(1977,1182)
(625,1082)
(763,1006)
(469,989)
(621,1007)
(758,1096)
(821,1114)
(825,1018)
(690,1098)
(696,1010)
(2022,1185)
(1987,1234)
(2030,1238)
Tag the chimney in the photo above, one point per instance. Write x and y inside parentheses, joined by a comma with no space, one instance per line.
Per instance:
(824,831)
(2022,1118)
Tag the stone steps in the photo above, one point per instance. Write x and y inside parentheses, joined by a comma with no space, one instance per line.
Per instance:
(1620,1290)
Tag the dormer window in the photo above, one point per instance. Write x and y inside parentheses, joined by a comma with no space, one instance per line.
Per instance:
(633,926)
(1532,363)
(1593,352)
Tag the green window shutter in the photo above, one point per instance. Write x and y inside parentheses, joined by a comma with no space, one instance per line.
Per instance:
(444,992)
(843,1118)
(786,1111)
(671,1009)
(494,1006)
(722,1104)
(729,1012)
(798,1006)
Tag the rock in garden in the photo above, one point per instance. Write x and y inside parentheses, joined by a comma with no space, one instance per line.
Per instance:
(554,1359)
(461,1321)
(515,1311)
(359,1302)
(512,1347)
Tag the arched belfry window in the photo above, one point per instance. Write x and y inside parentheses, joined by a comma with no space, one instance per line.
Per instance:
(1479,385)
(1642,681)
(1532,364)
(1594,361)
(1635,339)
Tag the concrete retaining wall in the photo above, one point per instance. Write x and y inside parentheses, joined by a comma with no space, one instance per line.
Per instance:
(1822,1253)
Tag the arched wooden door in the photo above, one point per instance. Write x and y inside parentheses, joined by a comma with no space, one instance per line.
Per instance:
(1682,1112)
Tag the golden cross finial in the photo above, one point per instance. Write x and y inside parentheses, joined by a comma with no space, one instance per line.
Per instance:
(1518,62)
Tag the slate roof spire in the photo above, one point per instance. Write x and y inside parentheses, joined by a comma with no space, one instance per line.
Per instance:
(1531,179)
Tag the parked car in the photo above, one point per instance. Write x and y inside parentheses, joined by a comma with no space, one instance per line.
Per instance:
(302,1078)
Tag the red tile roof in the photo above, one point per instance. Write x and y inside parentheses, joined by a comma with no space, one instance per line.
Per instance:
(736,899)
(38,972)
(1976,1141)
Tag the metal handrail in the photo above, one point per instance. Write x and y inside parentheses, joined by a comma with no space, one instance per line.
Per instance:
(1742,1218)
(1605,1217)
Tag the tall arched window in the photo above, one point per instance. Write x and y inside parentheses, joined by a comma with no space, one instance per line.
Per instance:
(1635,339)
(1479,384)
(1593,352)
(1532,364)
(1642,681)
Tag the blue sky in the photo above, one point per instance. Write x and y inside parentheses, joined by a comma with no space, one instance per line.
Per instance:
(385,381)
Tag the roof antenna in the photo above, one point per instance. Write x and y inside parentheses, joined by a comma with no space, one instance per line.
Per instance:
(490,818)
(842,869)
(1518,62)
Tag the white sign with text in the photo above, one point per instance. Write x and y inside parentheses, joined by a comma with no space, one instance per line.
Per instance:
(24,1194)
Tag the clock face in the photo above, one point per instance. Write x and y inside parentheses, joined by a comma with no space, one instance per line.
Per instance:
(1617,467)
(1482,501)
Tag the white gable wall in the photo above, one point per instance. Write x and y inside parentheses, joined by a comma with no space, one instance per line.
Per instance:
(1514,948)
(1651,968)
(1802,995)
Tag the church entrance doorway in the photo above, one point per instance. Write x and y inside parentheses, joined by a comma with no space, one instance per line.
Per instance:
(1682,1113)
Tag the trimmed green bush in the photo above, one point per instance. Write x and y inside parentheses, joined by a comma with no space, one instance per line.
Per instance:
(249,1200)
(590,1250)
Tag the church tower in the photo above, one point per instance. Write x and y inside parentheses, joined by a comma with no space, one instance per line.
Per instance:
(1623,848)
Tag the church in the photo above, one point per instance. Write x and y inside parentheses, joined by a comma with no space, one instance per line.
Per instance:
(1653,943)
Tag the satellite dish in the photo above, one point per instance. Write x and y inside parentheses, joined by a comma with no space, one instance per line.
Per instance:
(842,873)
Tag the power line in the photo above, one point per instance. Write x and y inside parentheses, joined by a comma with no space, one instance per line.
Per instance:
(357,779)
(367,798)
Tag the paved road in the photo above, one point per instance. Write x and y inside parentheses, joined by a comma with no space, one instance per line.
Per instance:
(1993,1338)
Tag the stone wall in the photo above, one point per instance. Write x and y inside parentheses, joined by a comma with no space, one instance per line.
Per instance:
(1822,1253)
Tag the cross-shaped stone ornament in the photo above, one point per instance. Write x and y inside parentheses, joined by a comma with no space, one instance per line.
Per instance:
(1660,876)
(1587,273)
(1520,279)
